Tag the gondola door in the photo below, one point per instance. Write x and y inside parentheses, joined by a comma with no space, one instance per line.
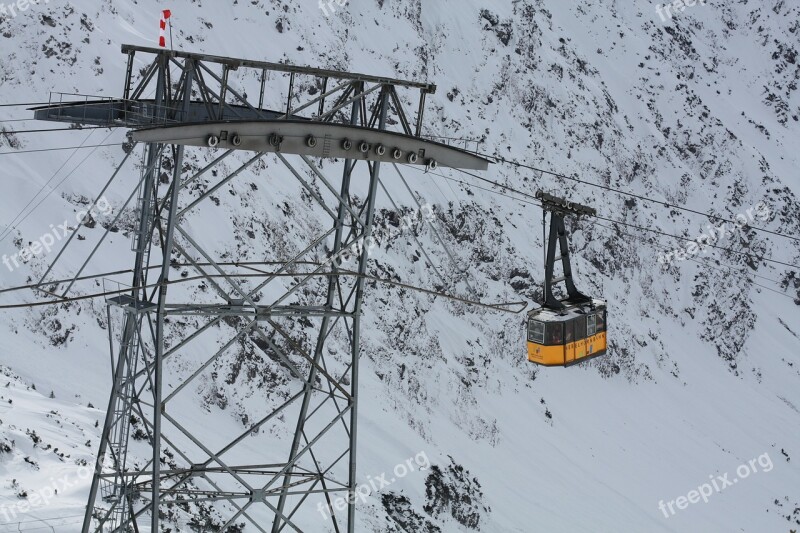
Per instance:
(579,325)
(569,341)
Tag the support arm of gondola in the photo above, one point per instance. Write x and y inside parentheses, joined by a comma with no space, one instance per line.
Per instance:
(558,208)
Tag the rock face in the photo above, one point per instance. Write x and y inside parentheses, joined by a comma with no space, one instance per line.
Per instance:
(699,110)
(450,491)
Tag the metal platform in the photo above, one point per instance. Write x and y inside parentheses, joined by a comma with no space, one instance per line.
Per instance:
(143,113)
(318,127)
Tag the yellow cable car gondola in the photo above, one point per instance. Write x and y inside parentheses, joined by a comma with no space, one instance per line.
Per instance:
(565,331)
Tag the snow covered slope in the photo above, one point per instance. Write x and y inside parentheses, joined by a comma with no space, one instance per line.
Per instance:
(701,110)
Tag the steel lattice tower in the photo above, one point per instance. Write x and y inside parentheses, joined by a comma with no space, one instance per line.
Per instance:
(191,464)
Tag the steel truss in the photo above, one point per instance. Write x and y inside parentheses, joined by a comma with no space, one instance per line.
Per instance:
(191,465)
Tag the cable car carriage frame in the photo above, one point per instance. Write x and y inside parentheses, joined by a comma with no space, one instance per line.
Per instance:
(564,332)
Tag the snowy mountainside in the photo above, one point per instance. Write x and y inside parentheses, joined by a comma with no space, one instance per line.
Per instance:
(47,453)
(700,111)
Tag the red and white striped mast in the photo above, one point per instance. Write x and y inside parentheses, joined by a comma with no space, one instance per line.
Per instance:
(162,40)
